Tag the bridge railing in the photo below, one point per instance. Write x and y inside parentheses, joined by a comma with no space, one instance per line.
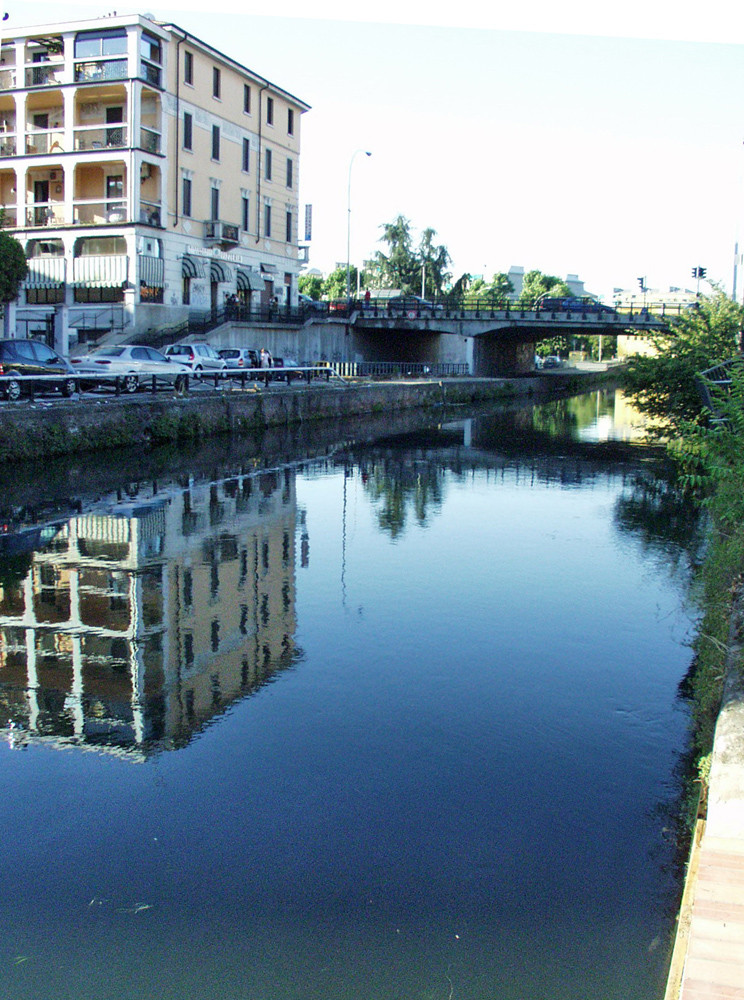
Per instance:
(491,307)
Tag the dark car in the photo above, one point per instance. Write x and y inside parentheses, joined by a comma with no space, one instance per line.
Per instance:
(573,304)
(19,358)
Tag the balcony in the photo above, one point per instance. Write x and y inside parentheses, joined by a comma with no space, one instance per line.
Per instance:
(224,233)
(40,141)
(98,213)
(8,217)
(150,213)
(7,144)
(45,213)
(45,74)
(149,140)
(100,70)
(94,137)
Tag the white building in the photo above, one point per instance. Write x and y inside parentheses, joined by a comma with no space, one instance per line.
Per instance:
(147,175)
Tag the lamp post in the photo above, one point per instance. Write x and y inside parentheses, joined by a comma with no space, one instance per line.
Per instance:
(348,223)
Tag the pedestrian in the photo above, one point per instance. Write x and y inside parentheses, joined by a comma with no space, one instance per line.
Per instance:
(265,362)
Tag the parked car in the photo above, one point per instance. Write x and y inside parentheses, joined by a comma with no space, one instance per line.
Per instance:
(239,357)
(20,357)
(552,361)
(130,364)
(411,304)
(201,358)
(287,369)
(311,305)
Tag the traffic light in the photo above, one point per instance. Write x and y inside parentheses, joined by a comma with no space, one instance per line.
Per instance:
(695,272)
(641,282)
(702,271)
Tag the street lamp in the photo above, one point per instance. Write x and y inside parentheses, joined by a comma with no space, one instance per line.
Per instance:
(348,224)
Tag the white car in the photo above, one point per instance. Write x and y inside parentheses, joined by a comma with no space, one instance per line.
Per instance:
(124,366)
(201,358)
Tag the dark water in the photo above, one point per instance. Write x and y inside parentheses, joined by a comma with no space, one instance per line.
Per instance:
(398,722)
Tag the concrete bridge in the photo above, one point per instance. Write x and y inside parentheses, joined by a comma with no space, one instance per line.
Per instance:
(493,342)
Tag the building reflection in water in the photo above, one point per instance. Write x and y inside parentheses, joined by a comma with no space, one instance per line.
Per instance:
(136,626)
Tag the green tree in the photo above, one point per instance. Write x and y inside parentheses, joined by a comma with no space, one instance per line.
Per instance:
(537,284)
(310,285)
(664,386)
(334,287)
(434,260)
(404,266)
(13,267)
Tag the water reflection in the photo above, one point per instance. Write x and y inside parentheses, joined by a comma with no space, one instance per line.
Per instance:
(132,628)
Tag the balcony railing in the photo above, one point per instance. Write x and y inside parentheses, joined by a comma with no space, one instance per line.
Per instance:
(149,140)
(100,70)
(221,232)
(7,144)
(150,213)
(151,74)
(7,79)
(95,213)
(45,75)
(114,136)
(8,216)
(45,141)
(46,213)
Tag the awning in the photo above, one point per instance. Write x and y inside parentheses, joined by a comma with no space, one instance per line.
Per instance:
(268,268)
(100,272)
(151,271)
(218,271)
(45,272)
(249,281)
(191,267)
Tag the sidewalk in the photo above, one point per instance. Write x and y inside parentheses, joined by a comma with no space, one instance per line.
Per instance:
(708,962)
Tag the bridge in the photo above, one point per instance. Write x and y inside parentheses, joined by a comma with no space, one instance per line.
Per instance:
(495,340)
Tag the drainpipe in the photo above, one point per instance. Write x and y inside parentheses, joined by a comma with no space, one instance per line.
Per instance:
(259,165)
(178,124)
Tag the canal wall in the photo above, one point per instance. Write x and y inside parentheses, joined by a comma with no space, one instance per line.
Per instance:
(96,422)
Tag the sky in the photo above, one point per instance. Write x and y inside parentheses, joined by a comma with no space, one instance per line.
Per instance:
(572,138)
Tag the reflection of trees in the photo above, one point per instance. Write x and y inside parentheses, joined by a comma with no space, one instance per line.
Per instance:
(656,511)
(399,485)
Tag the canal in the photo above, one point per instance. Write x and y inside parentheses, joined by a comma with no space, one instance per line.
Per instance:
(386,711)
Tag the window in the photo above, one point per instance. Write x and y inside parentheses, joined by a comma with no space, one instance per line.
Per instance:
(268,164)
(290,121)
(290,169)
(288,232)
(188,68)
(215,204)
(92,44)
(215,142)
(269,110)
(267,220)
(246,214)
(186,199)
(151,56)
(188,130)
(246,156)
(216,82)
(246,99)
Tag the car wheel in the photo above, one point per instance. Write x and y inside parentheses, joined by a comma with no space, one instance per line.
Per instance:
(180,384)
(130,383)
(198,371)
(69,387)
(13,389)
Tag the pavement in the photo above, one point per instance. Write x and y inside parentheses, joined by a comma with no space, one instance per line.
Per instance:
(708,959)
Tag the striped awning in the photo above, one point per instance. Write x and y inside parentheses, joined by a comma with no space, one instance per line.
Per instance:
(249,281)
(192,267)
(151,271)
(45,272)
(219,271)
(100,272)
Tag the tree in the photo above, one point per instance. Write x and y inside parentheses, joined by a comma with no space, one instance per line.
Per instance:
(406,268)
(13,267)
(334,287)
(310,285)
(537,284)
(664,386)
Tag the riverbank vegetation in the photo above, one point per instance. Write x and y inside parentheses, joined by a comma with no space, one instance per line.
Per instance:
(708,449)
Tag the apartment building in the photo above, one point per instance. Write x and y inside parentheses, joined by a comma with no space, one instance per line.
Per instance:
(148,176)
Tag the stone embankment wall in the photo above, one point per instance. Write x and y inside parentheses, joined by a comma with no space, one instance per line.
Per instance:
(95,422)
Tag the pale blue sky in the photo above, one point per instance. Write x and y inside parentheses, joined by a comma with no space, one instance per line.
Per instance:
(606,156)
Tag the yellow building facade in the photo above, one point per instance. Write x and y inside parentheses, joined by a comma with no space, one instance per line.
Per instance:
(148,176)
